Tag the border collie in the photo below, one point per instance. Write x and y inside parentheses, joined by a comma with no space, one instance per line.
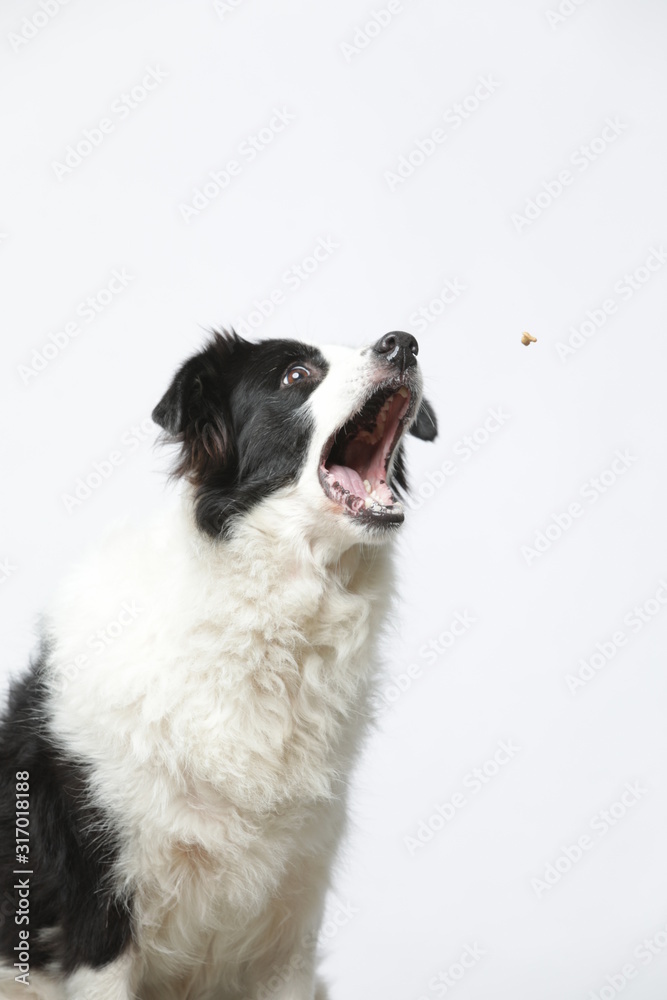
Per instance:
(174,766)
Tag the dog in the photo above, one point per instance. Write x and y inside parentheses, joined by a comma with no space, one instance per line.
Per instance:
(174,765)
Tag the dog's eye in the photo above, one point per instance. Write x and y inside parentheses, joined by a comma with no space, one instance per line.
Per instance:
(297,373)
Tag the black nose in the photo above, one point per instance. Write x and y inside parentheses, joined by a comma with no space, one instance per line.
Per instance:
(399,348)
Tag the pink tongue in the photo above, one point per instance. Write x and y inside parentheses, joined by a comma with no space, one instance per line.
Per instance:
(348,478)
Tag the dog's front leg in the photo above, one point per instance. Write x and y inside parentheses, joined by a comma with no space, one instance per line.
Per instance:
(110,982)
(298,985)
(290,975)
(306,990)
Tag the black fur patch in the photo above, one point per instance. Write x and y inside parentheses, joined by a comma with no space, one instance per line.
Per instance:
(73,845)
(243,434)
(425,425)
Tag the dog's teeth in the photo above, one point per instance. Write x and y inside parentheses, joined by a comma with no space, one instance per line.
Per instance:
(367,486)
(403,392)
(368,502)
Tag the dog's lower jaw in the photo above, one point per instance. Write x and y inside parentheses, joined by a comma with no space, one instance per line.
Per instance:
(299,519)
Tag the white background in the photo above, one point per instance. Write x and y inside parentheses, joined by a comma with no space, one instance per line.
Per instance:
(458,218)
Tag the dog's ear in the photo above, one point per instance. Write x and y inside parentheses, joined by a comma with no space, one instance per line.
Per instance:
(169,412)
(425,425)
(194,410)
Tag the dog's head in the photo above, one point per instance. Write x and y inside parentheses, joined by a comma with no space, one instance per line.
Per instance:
(316,429)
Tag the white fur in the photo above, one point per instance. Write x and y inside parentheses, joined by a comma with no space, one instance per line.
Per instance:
(113,982)
(223,721)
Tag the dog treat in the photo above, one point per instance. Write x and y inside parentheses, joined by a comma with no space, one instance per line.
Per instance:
(527,339)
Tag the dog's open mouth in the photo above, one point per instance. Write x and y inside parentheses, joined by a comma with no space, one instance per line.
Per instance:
(355,462)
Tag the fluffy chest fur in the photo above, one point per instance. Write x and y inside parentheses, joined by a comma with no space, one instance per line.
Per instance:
(223,713)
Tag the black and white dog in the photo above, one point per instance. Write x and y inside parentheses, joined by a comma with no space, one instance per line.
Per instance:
(174,767)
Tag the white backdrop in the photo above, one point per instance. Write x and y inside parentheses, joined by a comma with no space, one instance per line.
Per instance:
(468,171)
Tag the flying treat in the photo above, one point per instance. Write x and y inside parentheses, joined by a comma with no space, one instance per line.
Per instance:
(527,339)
